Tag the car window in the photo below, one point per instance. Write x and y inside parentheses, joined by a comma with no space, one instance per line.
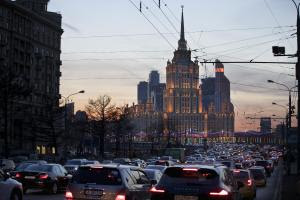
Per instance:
(63,170)
(39,168)
(136,176)
(129,178)
(143,178)
(56,171)
(99,176)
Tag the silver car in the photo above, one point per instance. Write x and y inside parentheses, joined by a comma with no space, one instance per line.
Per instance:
(10,189)
(109,182)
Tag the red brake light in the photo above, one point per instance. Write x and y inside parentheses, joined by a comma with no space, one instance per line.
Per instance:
(120,197)
(222,193)
(69,195)
(249,182)
(18,175)
(236,171)
(43,176)
(153,189)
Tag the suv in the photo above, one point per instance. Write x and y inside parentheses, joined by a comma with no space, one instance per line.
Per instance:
(248,191)
(10,188)
(195,182)
(266,165)
(109,182)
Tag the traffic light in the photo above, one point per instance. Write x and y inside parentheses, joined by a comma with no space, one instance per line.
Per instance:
(278,50)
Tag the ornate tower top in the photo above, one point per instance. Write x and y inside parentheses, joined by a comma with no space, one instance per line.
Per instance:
(182,41)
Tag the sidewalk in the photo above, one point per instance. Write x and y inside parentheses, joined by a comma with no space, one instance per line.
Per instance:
(290,186)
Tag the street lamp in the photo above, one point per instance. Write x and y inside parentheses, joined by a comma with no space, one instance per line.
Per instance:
(66,101)
(289,89)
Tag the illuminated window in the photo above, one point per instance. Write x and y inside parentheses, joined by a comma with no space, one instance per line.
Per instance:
(38,149)
(43,150)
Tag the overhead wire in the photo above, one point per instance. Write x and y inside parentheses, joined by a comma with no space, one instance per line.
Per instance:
(152,24)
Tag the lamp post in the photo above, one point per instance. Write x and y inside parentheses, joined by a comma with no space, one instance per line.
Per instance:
(289,89)
(66,120)
(286,119)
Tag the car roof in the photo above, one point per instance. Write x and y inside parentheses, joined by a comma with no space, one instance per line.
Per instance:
(111,165)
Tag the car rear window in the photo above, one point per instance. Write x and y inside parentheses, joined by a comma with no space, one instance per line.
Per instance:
(39,168)
(190,175)
(73,162)
(257,173)
(261,163)
(241,175)
(99,176)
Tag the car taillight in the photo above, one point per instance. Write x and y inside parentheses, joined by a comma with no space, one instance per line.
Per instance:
(154,190)
(249,182)
(69,195)
(120,197)
(221,193)
(43,176)
(18,175)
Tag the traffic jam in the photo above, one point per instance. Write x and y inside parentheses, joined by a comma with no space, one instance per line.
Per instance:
(223,171)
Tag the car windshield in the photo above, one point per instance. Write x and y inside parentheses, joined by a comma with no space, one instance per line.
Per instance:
(190,176)
(73,162)
(39,168)
(99,176)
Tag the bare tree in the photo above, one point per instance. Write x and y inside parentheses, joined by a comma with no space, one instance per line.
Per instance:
(101,111)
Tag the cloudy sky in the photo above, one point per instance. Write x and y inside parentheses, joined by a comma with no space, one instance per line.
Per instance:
(108,46)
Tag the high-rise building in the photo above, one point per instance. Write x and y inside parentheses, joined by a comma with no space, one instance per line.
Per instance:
(30,40)
(265,125)
(208,94)
(157,97)
(222,90)
(142,92)
(182,99)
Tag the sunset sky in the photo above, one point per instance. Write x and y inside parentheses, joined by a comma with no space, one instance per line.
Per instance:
(108,46)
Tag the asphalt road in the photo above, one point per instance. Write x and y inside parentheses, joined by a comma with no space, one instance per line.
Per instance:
(270,192)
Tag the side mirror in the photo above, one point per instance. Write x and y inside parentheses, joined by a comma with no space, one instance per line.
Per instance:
(240,184)
(153,182)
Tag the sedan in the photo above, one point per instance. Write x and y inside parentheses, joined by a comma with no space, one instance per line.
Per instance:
(48,177)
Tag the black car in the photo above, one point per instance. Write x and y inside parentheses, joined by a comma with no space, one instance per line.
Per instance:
(195,182)
(266,165)
(48,177)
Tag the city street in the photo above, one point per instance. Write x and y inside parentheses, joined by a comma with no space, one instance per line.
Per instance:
(263,193)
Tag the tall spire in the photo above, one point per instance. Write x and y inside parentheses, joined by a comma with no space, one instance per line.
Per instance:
(182,41)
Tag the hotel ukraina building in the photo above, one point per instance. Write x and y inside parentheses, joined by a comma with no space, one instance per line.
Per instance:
(183,99)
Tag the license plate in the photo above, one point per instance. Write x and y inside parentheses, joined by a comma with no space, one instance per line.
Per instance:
(29,177)
(93,192)
(181,197)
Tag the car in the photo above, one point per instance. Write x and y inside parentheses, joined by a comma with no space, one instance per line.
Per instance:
(228,163)
(10,189)
(238,165)
(123,161)
(106,162)
(195,182)
(47,177)
(266,165)
(158,167)
(89,162)
(72,165)
(7,165)
(153,174)
(248,190)
(259,175)
(164,162)
(109,182)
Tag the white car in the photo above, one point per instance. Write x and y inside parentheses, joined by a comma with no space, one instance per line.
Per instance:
(10,189)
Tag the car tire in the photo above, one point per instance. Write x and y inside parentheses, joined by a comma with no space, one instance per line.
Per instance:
(16,195)
(53,189)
